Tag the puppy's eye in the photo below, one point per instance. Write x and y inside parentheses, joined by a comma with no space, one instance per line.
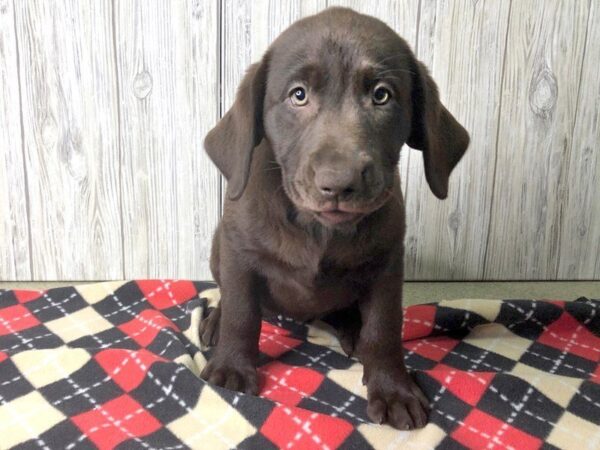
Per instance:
(298,96)
(381,95)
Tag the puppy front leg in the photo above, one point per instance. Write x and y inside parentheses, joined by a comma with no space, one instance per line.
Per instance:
(393,397)
(233,364)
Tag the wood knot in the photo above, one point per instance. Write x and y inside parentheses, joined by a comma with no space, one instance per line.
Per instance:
(49,132)
(197,9)
(543,93)
(454,220)
(142,84)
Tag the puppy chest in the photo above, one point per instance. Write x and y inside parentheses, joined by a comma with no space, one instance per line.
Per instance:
(303,296)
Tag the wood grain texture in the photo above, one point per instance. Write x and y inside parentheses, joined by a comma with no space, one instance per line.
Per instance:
(544,54)
(579,256)
(14,222)
(69,108)
(463,44)
(104,106)
(167,57)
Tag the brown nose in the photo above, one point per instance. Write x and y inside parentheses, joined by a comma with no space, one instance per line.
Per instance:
(342,181)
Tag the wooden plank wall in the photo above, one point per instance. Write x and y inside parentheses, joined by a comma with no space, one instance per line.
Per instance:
(104,104)
(15,257)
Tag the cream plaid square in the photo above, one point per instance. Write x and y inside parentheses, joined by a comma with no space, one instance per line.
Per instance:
(488,309)
(573,432)
(389,438)
(350,379)
(498,339)
(556,387)
(93,293)
(80,323)
(42,367)
(212,423)
(26,418)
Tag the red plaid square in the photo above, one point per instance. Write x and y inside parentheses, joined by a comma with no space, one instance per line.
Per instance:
(269,328)
(27,296)
(164,294)
(480,429)
(16,318)
(297,427)
(567,334)
(145,326)
(116,421)
(127,368)
(289,384)
(435,348)
(467,386)
(275,341)
(418,321)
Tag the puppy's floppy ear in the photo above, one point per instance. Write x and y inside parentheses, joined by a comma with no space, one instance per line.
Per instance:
(434,131)
(231,142)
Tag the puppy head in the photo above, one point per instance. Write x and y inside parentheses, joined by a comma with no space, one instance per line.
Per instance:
(337,95)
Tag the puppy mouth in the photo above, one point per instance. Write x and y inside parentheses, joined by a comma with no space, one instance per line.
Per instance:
(337,216)
(333,213)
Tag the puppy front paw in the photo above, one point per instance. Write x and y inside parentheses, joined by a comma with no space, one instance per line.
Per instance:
(394,398)
(231,373)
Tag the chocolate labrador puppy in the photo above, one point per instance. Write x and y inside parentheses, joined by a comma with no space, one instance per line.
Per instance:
(313,223)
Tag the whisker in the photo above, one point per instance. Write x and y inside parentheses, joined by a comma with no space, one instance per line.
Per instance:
(383,72)
(390,57)
(392,77)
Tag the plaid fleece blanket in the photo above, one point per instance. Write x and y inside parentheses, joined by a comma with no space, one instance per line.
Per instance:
(116,365)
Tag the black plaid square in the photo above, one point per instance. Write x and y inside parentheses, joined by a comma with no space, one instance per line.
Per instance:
(160,439)
(318,357)
(528,318)
(447,410)
(414,361)
(171,345)
(122,305)
(7,298)
(468,357)
(12,382)
(56,303)
(586,312)
(63,435)
(333,400)
(165,390)
(458,320)
(258,441)
(551,360)
(38,336)
(81,391)
(586,402)
(519,403)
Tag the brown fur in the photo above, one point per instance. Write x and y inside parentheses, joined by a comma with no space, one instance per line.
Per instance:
(314,220)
